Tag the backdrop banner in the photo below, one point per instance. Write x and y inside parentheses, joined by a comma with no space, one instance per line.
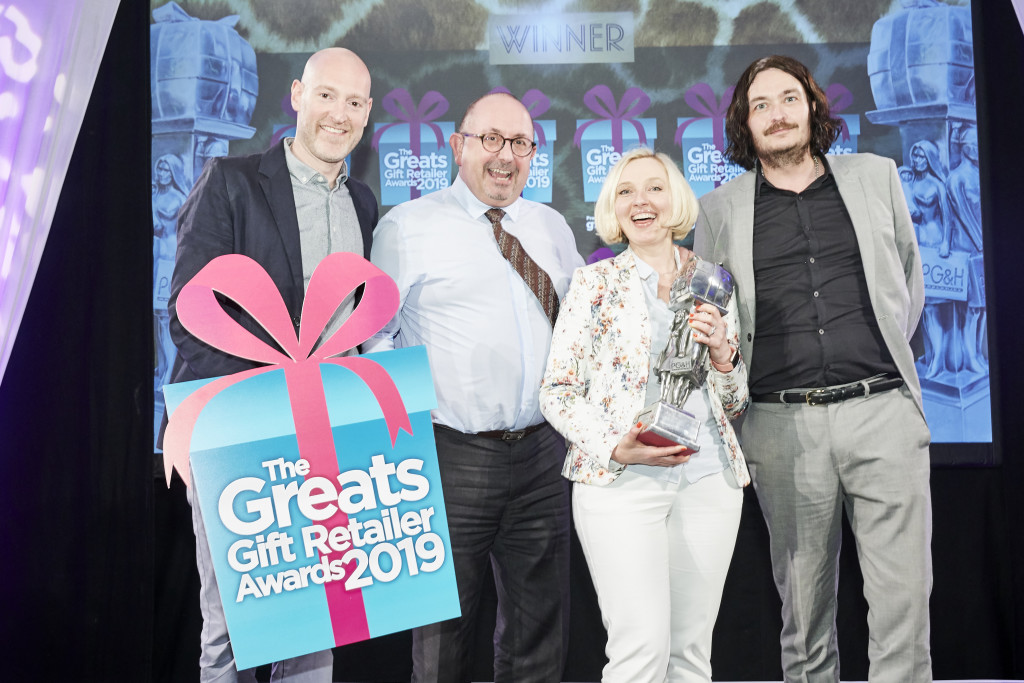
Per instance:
(900,76)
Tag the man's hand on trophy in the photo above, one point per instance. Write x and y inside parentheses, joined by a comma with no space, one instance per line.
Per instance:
(709,328)
(630,451)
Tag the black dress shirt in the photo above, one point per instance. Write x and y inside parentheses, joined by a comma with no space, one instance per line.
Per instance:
(815,324)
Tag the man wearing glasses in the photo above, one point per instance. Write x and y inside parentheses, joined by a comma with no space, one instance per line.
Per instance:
(480,271)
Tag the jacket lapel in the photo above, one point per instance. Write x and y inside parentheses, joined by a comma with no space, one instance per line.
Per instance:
(739,228)
(276,184)
(634,324)
(855,199)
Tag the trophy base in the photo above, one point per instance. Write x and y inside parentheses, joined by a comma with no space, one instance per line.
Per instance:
(665,425)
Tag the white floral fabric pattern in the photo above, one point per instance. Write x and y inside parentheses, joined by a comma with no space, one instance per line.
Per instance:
(596,377)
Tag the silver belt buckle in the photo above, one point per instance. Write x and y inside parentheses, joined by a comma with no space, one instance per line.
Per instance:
(814,394)
(513,436)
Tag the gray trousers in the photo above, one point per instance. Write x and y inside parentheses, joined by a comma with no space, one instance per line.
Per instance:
(216,660)
(868,456)
(508,506)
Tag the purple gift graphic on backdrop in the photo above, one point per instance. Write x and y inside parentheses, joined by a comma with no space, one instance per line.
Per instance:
(703,139)
(542,166)
(415,158)
(839,98)
(602,141)
(285,130)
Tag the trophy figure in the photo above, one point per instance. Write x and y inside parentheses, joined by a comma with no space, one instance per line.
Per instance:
(681,365)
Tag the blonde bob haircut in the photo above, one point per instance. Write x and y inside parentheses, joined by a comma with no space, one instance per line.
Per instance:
(684,202)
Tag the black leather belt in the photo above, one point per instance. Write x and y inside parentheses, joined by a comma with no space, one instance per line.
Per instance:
(503,434)
(840,392)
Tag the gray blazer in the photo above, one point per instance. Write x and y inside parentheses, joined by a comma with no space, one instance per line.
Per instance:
(870,188)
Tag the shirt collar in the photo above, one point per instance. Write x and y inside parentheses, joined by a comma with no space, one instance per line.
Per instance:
(304,173)
(476,208)
(645,270)
(760,181)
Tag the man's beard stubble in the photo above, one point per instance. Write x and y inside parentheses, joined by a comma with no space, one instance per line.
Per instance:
(778,158)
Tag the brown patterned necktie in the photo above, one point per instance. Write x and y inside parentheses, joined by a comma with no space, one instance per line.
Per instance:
(533,275)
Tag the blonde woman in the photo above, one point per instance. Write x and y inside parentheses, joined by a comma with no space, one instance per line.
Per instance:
(657,527)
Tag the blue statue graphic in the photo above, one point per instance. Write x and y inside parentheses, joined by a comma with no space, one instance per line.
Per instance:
(930,213)
(921,66)
(168,195)
(204,89)
(963,188)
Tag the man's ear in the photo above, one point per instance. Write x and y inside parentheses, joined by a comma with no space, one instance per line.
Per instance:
(369,106)
(456,141)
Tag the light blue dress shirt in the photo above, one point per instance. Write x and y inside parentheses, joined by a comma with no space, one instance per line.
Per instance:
(486,334)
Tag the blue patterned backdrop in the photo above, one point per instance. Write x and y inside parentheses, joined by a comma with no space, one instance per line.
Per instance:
(598,79)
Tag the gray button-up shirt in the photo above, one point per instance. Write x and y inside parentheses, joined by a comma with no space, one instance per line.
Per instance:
(327,223)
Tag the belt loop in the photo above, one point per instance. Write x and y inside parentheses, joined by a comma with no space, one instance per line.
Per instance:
(866,383)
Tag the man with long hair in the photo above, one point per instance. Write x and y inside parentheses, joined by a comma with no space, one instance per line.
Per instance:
(830,290)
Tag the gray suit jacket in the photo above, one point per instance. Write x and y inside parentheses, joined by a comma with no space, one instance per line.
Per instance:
(871,190)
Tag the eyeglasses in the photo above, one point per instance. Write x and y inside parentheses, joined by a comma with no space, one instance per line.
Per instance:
(494,143)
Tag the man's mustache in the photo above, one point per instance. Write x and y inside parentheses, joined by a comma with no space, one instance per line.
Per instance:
(779,126)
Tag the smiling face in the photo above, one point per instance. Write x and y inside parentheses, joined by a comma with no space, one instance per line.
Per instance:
(495,178)
(779,118)
(643,203)
(332,103)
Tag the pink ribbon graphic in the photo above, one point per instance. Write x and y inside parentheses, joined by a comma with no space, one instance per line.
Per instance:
(702,100)
(536,103)
(242,280)
(601,101)
(839,98)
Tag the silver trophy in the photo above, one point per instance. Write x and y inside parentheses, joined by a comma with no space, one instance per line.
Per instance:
(681,365)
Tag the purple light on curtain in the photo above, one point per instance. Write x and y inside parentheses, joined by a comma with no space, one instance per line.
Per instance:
(50,51)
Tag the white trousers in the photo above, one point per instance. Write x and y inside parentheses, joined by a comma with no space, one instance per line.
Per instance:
(658,554)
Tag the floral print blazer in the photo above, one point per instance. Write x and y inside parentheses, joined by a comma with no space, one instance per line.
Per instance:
(596,378)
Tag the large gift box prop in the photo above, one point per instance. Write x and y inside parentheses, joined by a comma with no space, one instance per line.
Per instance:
(316,475)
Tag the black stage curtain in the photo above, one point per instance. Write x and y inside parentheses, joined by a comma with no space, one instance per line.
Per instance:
(75,405)
(98,579)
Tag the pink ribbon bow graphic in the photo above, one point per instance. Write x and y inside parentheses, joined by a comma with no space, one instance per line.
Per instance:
(241,279)
(537,103)
(601,101)
(400,104)
(702,100)
(839,98)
